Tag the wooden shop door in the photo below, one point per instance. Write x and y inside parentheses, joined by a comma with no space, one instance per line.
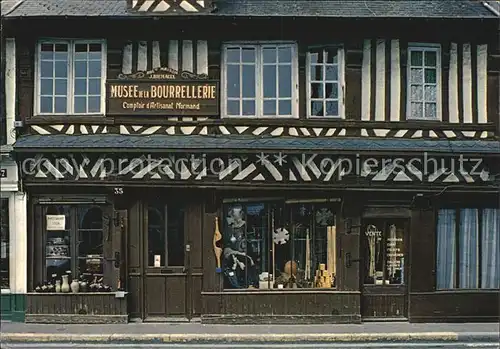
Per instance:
(384,269)
(172,260)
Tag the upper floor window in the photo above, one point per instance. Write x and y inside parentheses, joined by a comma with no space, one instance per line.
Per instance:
(260,80)
(70,77)
(324,82)
(424,68)
(468,248)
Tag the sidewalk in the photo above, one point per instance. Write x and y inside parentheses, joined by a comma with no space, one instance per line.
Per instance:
(199,333)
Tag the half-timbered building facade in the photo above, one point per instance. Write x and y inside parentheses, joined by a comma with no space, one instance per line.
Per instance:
(256,161)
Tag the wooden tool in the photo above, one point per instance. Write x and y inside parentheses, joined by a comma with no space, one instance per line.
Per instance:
(217,249)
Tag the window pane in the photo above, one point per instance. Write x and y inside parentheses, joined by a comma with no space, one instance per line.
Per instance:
(61,56)
(233,55)
(446,250)
(58,250)
(94,104)
(332,56)
(417,110)
(317,90)
(4,240)
(417,92)
(47,47)
(269,83)
(61,69)
(233,80)
(395,253)
(94,86)
(46,87)
(430,93)
(317,73)
(416,76)
(46,105)
(248,107)
(61,87)
(80,86)
(81,69)
(248,55)
(285,107)
(80,105)
(430,58)
(60,104)
(269,55)
(156,236)
(430,76)
(175,235)
(248,77)
(285,54)
(47,69)
(46,55)
(317,108)
(285,81)
(332,90)
(416,58)
(233,107)
(61,47)
(270,107)
(374,266)
(490,248)
(430,110)
(95,69)
(90,240)
(313,57)
(332,73)
(245,239)
(468,246)
(81,47)
(332,108)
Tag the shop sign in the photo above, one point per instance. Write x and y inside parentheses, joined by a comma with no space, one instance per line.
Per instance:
(56,222)
(162,91)
(3,173)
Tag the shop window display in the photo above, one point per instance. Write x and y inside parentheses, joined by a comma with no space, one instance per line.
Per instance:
(4,252)
(273,245)
(74,237)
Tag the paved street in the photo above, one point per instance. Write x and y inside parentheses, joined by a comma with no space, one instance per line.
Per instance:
(259,346)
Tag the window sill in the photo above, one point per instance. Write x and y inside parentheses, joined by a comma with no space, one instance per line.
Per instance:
(5,291)
(280,291)
(458,290)
(69,119)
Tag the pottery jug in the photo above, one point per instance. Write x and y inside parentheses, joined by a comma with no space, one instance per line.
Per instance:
(83,286)
(65,284)
(58,286)
(75,285)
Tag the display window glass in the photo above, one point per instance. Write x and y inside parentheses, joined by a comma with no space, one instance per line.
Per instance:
(4,240)
(269,245)
(383,243)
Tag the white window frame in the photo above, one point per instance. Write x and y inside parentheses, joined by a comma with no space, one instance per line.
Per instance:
(259,98)
(424,47)
(71,78)
(340,82)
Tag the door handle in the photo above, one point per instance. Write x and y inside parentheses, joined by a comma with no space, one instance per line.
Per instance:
(349,260)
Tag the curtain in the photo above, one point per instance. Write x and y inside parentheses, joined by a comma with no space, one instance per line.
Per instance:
(446,249)
(468,245)
(490,249)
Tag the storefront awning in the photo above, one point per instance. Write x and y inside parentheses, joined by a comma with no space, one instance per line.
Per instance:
(245,144)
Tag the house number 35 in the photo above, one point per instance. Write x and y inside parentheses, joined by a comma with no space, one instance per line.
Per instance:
(118,190)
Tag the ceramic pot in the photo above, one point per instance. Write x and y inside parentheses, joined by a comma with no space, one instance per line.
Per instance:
(83,286)
(65,284)
(75,286)
(58,286)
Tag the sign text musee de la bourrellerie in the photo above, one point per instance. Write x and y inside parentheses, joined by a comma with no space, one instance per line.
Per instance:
(162,91)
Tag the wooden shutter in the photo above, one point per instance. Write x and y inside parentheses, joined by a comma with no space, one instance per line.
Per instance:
(116,221)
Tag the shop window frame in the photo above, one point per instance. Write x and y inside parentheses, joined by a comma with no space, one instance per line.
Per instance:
(5,199)
(70,93)
(285,205)
(457,208)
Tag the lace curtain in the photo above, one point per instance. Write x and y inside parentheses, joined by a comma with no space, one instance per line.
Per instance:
(468,244)
(446,250)
(490,249)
